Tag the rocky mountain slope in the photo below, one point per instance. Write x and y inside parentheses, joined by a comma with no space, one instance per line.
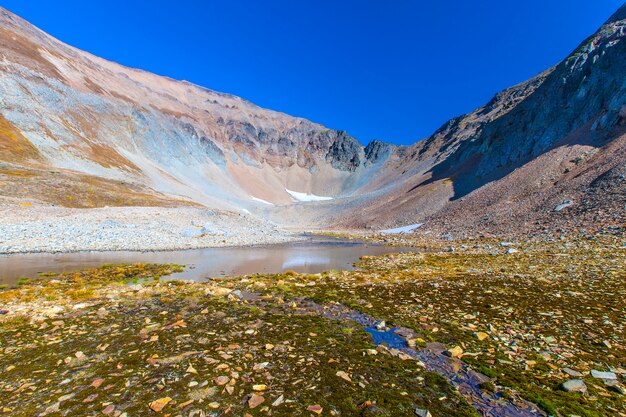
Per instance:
(64,109)
(79,131)
(506,166)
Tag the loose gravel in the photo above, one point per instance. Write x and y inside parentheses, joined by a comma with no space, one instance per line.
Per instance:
(55,229)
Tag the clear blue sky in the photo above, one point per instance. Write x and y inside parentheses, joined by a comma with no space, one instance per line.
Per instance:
(391,69)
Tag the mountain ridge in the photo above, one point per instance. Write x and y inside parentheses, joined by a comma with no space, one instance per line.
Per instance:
(72,111)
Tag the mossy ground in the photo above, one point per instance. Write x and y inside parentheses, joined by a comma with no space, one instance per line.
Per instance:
(92,342)
(544,308)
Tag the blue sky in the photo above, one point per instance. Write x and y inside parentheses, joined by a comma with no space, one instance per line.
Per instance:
(393,70)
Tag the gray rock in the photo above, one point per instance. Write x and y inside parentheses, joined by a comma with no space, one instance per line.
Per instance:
(615,386)
(574,385)
(422,412)
(571,372)
(603,375)
(563,205)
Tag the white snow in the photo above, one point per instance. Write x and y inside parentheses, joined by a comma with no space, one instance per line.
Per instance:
(403,229)
(307,197)
(262,201)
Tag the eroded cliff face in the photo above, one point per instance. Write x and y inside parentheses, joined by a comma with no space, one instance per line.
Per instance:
(67,112)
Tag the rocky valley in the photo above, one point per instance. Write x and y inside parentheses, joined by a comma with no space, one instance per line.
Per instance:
(510,302)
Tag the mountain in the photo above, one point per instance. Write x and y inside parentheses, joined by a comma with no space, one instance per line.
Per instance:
(77,130)
(67,110)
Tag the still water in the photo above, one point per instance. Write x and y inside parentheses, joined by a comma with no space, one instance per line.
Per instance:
(313,255)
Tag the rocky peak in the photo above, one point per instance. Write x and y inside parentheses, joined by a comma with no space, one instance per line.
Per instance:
(377,151)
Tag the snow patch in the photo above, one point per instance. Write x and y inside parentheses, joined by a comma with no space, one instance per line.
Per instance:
(258,200)
(403,229)
(307,197)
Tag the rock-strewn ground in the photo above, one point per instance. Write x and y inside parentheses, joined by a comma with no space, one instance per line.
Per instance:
(38,228)
(544,322)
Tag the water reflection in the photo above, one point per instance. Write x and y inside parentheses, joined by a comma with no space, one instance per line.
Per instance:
(314,255)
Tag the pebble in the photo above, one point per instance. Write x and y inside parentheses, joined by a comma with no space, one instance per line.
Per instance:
(574,385)
(481,336)
(422,412)
(572,372)
(159,404)
(344,376)
(455,352)
(256,400)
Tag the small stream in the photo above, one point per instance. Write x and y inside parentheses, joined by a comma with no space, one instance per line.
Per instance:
(466,380)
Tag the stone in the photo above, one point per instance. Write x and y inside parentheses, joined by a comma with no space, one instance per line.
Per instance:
(222,380)
(481,336)
(278,401)
(615,386)
(572,372)
(159,404)
(574,385)
(110,409)
(564,204)
(422,412)
(455,352)
(255,400)
(344,376)
(603,375)
(380,325)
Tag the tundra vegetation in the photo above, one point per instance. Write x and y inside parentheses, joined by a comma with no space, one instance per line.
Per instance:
(122,341)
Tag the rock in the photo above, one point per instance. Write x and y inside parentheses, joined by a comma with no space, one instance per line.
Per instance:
(317,409)
(222,380)
(344,376)
(255,400)
(572,372)
(381,325)
(422,412)
(278,401)
(110,409)
(219,291)
(574,385)
(511,250)
(455,352)
(159,404)
(615,386)
(481,336)
(564,204)
(603,375)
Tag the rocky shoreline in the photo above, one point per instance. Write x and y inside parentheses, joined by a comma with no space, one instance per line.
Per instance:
(33,229)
